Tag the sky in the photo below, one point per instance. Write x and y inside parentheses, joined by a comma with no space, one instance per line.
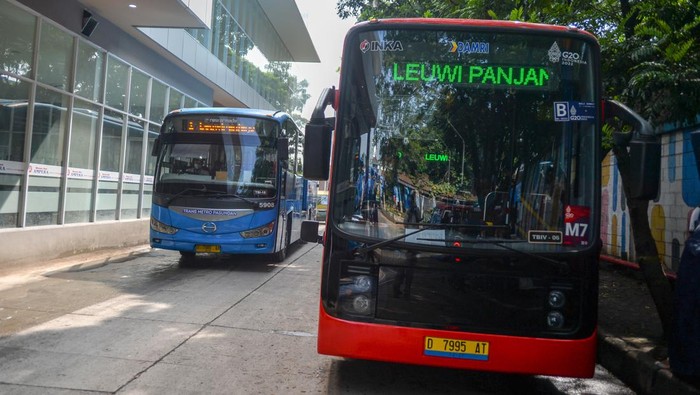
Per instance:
(327,32)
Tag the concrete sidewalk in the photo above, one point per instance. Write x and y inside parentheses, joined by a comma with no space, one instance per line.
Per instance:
(631,344)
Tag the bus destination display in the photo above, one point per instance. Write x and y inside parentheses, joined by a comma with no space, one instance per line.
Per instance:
(216,125)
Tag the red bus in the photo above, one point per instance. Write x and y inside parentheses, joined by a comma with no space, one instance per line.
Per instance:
(464,205)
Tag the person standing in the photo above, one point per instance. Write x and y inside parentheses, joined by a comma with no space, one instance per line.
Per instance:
(684,347)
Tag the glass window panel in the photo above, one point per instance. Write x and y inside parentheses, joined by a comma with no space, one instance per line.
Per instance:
(78,200)
(134,146)
(190,102)
(175,100)
(84,135)
(112,125)
(139,93)
(159,92)
(117,75)
(108,184)
(55,57)
(42,200)
(10,187)
(130,200)
(88,76)
(14,96)
(48,133)
(16,39)
(107,200)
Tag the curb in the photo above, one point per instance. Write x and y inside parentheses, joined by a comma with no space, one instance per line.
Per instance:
(123,255)
(637,369)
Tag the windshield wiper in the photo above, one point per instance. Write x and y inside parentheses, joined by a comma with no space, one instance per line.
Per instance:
(233,195)
(372,247)
(554,262)
(366,249)
(184,191)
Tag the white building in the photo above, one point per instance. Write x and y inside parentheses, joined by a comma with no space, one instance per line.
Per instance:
(84,85)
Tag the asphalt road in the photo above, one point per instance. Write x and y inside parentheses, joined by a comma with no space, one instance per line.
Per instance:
(150,324)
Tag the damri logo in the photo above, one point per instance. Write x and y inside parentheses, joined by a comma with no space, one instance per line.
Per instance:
(469,47)
(388,45)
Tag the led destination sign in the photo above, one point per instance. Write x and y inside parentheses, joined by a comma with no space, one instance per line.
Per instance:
(502,76)
(220,125)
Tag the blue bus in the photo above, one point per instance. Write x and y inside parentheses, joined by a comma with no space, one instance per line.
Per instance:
(226,182)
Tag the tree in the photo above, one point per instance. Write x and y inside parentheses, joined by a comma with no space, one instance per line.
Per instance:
(292,94)
(650,60)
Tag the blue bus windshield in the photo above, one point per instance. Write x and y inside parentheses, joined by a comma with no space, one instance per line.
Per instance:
(235,161)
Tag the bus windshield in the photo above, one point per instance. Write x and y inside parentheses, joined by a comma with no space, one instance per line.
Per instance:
(218,154)
(473,136)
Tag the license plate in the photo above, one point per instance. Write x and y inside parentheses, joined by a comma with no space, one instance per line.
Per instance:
(454,348)
(205,248)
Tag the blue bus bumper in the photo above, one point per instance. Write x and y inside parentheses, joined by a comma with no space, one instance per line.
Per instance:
(227,244)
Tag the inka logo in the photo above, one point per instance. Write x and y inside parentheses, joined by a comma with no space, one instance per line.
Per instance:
(388,45)
(461,47)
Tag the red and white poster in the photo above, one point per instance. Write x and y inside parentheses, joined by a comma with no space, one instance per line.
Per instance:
(577,225)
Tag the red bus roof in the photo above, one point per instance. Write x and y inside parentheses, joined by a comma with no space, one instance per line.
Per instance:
(477,22)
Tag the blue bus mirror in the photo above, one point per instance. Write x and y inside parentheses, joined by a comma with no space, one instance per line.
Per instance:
(156,146)
(283,148)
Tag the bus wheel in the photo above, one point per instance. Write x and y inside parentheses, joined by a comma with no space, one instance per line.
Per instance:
(186,258)
(281,255)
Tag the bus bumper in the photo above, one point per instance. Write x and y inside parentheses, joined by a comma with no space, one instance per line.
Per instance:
(507,354)
(263,245)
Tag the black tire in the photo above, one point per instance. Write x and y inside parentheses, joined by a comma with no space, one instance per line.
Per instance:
(187,258)
(281,255)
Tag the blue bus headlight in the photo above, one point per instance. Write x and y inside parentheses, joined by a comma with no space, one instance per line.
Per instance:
(162,228)
(262,231)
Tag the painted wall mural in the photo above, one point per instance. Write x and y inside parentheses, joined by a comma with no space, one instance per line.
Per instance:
(668,214)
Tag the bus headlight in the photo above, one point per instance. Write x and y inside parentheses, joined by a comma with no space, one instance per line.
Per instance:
(361,304)
(356,295)
(555,320)
(162,228)
(262,231)
(556,299)
(363,283)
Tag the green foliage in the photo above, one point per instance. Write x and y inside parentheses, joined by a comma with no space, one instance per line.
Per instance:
(290,94)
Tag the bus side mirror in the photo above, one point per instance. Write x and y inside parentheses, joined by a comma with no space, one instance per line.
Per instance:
(317,139)
(309,232)
(317,152)
(283,148)
(644,149)
(156,146)
(645,166)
